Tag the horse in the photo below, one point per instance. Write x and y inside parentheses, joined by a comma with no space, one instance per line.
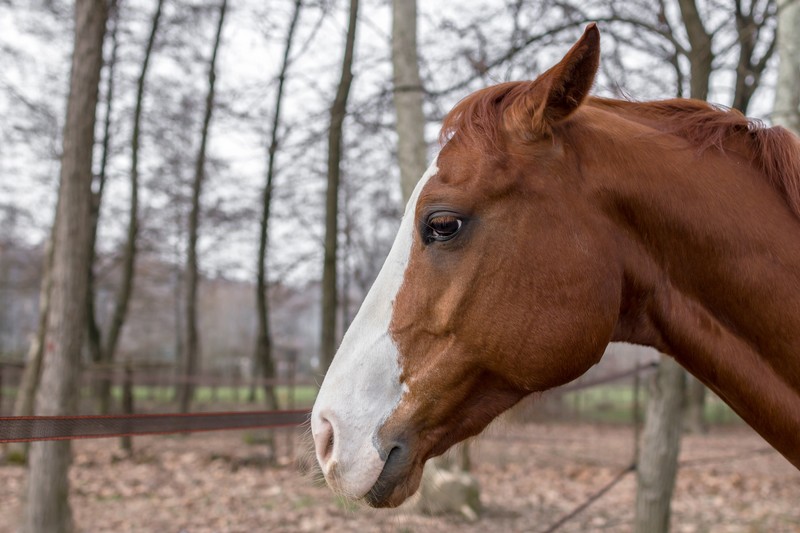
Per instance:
(550,224)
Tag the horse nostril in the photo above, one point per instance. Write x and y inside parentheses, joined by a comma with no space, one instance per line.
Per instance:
(328,450)
(324,441)
(394,453)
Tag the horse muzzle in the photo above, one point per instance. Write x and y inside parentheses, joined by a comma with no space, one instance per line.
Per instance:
(382,472)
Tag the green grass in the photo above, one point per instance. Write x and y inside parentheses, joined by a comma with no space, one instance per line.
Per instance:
(304,502)
(17,456)
(346,505)
(614,404)
(303,395)
(611,403)
(144,395)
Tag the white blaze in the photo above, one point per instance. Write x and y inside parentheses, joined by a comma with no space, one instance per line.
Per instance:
(362,386)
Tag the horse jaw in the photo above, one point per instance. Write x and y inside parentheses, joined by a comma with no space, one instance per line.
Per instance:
(362,387)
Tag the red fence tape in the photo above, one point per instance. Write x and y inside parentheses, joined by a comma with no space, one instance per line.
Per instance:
(34,428)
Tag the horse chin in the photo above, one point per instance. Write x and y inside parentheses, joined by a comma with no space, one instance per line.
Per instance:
(401,475)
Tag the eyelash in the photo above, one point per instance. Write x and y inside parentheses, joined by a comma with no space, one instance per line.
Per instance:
(441,227)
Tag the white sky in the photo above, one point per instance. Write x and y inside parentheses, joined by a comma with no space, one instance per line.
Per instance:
(34,50)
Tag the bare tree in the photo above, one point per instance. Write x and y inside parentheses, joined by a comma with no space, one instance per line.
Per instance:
(657,464)
(338,113)
(699,52)
(263,352)
(24,404)
(755,28)
(93,334)
(129,257)
(191,357)
(786,111)
(125,289)
(47,506)
(408,96)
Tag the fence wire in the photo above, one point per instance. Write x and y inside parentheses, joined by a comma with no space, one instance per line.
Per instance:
(36,428)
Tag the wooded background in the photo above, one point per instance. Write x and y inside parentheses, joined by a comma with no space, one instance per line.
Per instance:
(214,185)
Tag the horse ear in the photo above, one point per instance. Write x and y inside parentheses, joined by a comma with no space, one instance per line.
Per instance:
(572,78)
(558,92)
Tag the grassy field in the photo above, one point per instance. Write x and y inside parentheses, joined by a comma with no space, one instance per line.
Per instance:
(303,395)
(206,397)
(612,403)
(615,404)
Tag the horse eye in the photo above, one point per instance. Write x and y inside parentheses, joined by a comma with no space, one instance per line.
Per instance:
(441,228)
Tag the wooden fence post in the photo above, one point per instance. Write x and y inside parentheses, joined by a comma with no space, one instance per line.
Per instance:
(127,405)
(151,385)
(291,371)
(1,386)
(637,415)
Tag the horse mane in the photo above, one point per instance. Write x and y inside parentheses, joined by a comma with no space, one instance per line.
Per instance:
(775,150)
(478,118)
(478,122)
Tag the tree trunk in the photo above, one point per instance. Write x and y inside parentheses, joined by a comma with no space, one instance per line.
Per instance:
(192,354)
(25,401)
(658,456)
(752,21)
(177,312)
(746,80)
(412,152)
(786,112)
(263,355)
(347,270)
(103,354)
(694,419)
(338,112)
(93,335)
(125,288)
(700,55)
(24,404)
(47,506)
(660,441)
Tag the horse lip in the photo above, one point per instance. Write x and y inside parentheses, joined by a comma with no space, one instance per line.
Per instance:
(384,491)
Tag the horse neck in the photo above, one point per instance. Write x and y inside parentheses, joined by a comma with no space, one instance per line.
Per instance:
(711,255)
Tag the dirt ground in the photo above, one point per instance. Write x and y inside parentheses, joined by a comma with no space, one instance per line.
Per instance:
(530,476)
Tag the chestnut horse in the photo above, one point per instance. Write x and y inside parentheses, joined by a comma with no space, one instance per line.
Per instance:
(551,224)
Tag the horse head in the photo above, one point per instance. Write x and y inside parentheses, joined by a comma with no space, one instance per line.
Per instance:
(476,304)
